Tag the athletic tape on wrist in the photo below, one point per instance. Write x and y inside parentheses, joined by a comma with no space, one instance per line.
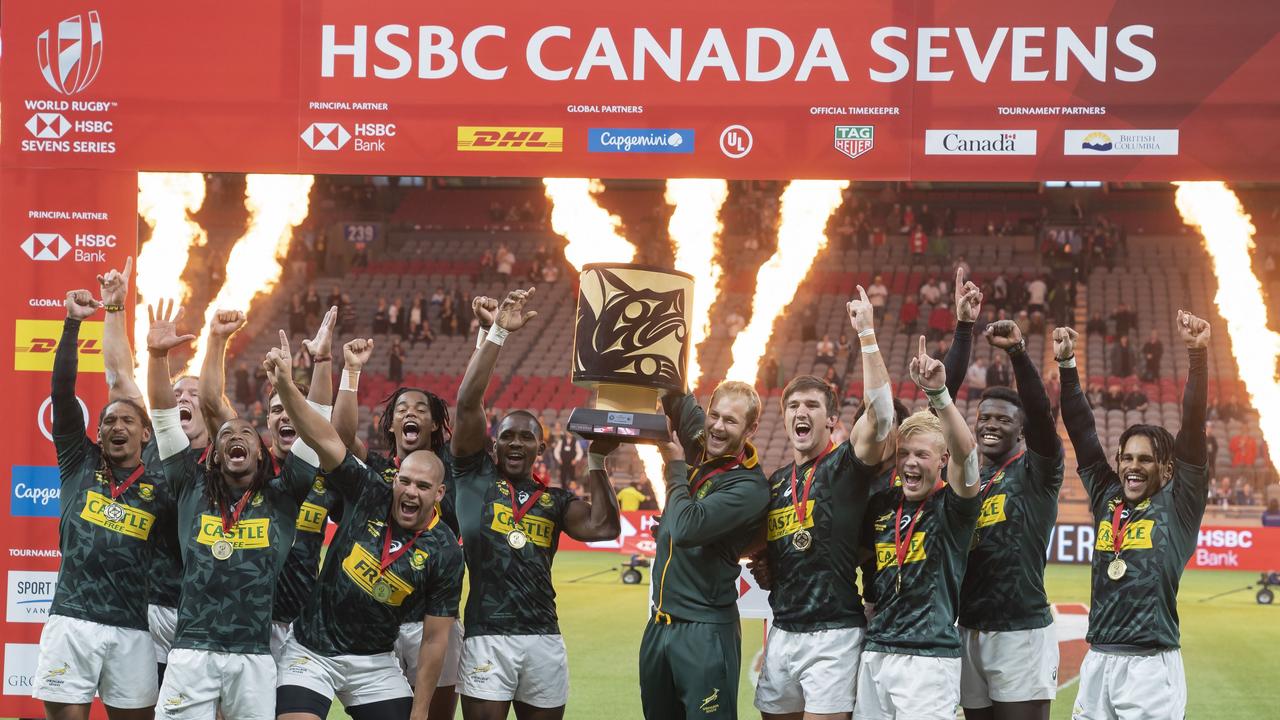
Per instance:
(868,331)
(938,399)
(497,335)
(595,461)
(350,381)
(872,348)
(880,399)
(1068,363)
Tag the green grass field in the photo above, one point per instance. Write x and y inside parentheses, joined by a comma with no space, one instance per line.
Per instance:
(1227,643)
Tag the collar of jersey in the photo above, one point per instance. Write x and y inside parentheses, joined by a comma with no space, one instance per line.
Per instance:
(750,458)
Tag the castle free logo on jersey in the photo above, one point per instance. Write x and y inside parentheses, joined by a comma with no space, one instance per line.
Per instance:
(35,341)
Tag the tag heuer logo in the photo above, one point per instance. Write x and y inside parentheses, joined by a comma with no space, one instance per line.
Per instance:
(855,140)
(48,125)
(325,136)
(45,246)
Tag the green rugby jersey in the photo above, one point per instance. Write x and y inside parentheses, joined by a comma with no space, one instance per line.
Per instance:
(107,545)
(815,589)
(1003,586)
(343,616)
(920,618)
(226,604)
(1141,608)
(298,576)
(166,561)
(510,591)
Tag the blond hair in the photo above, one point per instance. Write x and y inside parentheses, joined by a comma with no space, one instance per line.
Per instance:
(743,390)
(922,423)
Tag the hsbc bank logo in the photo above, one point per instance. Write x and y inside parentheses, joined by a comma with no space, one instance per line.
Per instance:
(45,246)
(325,136)
(48,125)
(70,53)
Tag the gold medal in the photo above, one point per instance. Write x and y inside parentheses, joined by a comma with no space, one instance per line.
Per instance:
(517,539)
(382,591)
(221,550)
(802,540)
(1116,569)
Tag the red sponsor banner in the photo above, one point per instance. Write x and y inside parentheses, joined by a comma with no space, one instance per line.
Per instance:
(636,537)
(904,89)
(58,230)
(1217,548)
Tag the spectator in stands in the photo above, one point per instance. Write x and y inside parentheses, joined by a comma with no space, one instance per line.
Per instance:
(496,213)
(297,316)
(486,265)
(346,316)
(243,390)
(381,317)
(550,272)
(1244,450)
(1097,325)
(826,351)
(1228,409)
(842,345)
(437,300)
(999,292)
(907,220)
(1243,495)
(416,320)
(1222,491)
(1122,361)
(1124,319)
(631,497)
(1113,398)
(504,262)
(941,322)
(962,264)
(1023,321)
(769,374)
(878,294)
(930,291)
(1271,516)
(919,244)
(395,368)
(302,362)
(393,317)
(832,378)
(929,223)
(909,316)
(1135,399)
(400,325)
(1060,304)
(568,454)
(879,237)
(449,317)
(1211,441)
(335,298)
(1152,352)
(1053,386)
(361,257)
(257,415)
(939,245)
(939,350)
(998,374)
(975,380)
(809,323)
(313,308)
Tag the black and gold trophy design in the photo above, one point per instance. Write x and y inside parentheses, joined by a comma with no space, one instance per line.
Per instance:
(631,345)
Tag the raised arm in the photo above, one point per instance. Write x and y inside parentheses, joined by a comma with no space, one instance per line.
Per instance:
(1076,413)
(1039,429)
(968,301)
(508,317)
(214,405)
(872,429)
(962,468)
(689,420)
(346,409)
(161,338)
(117,353)
(599,519)
(713,517)
(321,349)
(68,425)
(1191,445)
(313,429)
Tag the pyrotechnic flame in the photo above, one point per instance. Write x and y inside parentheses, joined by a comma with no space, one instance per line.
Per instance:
(276,204)
(805,207)
(591,231)
(1228,236)
(165,201)
(694,228)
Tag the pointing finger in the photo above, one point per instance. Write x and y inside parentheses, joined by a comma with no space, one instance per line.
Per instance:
(128,267)
(284,344)
(923,347)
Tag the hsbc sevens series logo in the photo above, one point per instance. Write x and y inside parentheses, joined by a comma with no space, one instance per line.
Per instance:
(70,53)
(510,139)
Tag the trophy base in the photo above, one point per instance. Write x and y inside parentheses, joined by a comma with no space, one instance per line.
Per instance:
(628,427)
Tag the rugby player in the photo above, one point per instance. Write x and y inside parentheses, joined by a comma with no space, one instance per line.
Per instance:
(816,507)
(96,639)
(412,419)
(1148,510)
(391,561)
(117,355)
(236,526)
(1009,660)
(691,652)
(301,567)
(511,523)
(920,531)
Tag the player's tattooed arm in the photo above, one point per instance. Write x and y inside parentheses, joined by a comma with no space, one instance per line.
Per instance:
(1191,445)
(1040,428)
(117,353)
(509,316)
(599,519)
(162,336)
(968,304)
(314,429)
(346,409)
(214,405)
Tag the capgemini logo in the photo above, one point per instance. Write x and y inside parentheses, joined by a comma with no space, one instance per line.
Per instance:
(70,54)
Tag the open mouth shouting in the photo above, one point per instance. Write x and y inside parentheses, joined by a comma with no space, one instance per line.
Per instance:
(237,453)
(118,439)
(287,434)
(514,460)
(1135,483)
(411,430)
(408,508)
(912,481)
(802,432)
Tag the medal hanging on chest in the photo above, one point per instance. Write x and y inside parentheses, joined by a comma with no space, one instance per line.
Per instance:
(115,511)
(902,546)
(1117,568)
(516,537)
(802,539)
(222,549)
(382,590)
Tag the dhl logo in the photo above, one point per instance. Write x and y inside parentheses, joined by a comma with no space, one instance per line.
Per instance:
(1137,536)
(782,522)
(539,530)
(364,570)
(992,511)
(35,342)
(244,535)
(886,555)
(129,521)
(311,517)
(510,139)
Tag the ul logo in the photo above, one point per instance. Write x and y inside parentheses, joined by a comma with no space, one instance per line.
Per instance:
(735,141)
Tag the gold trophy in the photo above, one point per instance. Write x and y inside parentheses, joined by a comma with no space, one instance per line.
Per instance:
(630,345)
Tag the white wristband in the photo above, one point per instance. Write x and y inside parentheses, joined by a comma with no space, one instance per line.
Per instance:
(481,334)
(872,348)
(497,335)
(939,400)
(868,331)
(595,461)
(350,381)
(1068,363)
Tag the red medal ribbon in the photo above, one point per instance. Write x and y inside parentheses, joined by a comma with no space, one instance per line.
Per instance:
(987,488)
(801,504)
(118,490)
(900,548)
(1117,530)
(517,510)
(695,486)
(227,524)
(389,557)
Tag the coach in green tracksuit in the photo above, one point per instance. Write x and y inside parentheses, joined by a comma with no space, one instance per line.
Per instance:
(691,653)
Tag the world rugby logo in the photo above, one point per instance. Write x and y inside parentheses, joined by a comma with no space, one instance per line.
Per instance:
(70,54)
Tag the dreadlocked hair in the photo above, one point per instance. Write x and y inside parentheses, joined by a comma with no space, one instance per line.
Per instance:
(439,415)
(217,492)
(1161,441)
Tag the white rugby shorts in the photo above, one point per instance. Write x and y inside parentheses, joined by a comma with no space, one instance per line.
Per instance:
(163,622)
(812,672)
(1131,687)
(199,683)
(532,669)
(79,658)
(409,643)
(1007,666)
(353,679)
(892,685)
